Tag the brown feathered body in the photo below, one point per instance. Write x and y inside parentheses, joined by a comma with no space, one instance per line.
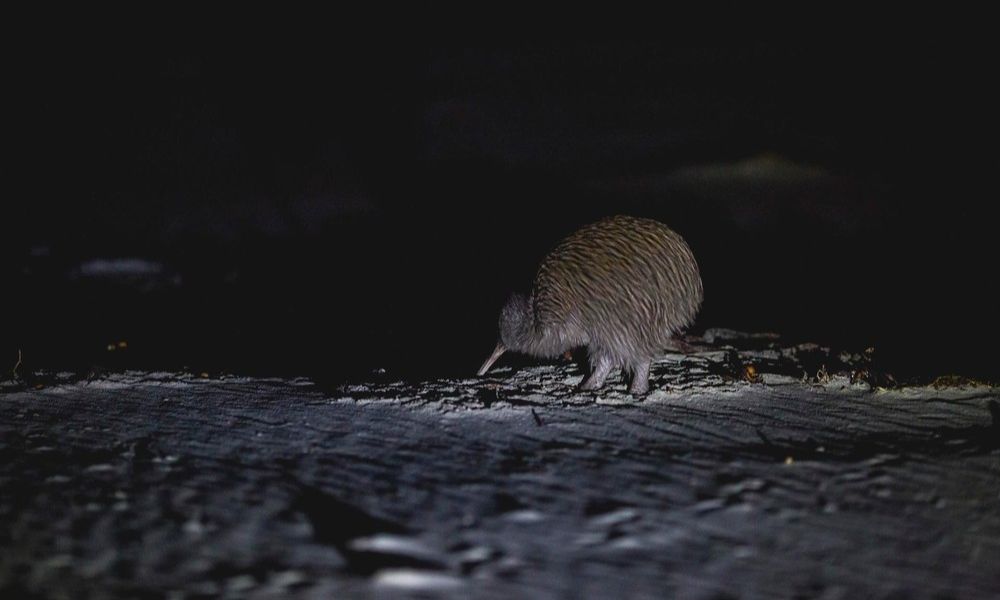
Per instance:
(624,287)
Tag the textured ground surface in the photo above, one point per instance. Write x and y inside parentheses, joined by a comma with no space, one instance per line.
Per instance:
(723,483)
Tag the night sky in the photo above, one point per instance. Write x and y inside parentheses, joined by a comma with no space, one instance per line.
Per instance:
(345,207)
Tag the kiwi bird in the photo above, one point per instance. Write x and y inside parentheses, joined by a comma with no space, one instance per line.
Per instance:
(624,287)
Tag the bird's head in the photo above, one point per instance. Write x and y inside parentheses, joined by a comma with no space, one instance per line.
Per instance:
(516,320)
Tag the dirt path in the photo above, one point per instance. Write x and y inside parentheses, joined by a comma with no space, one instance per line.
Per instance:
(167,485)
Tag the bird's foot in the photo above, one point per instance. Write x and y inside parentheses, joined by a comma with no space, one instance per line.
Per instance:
(595,381)
(638,388)
(590,384)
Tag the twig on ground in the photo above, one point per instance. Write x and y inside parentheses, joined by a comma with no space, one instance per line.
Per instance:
(18,364)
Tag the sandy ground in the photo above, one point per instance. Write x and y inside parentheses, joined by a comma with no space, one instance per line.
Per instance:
(791,479)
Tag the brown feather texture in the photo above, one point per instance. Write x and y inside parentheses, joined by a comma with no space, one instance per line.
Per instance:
(624,287)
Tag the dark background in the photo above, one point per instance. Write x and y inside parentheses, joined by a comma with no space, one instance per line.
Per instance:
(335,208)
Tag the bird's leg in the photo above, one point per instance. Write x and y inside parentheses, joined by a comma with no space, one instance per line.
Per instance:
(640,379)
(600,368)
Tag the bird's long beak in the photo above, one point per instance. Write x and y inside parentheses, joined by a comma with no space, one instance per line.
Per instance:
(500,349)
